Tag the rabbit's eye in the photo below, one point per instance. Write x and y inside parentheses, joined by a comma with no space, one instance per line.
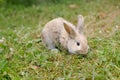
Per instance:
(78,43)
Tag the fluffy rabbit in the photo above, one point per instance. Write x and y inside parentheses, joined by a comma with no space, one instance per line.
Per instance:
(59,33)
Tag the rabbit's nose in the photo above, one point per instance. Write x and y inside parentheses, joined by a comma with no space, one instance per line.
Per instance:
(85,50)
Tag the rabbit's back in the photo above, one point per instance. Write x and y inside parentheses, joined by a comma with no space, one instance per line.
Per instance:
(54,33)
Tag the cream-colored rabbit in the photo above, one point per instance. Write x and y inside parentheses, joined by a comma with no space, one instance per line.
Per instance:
(61,33)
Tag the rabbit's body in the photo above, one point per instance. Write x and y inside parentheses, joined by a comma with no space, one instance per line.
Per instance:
(57,33)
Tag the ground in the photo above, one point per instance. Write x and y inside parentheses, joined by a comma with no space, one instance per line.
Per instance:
(24,57)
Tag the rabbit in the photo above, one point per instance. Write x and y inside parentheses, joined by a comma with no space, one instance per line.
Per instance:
(61,33)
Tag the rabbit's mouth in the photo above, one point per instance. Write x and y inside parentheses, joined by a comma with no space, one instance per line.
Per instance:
(81,52)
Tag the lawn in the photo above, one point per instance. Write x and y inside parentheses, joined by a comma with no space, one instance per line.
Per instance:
(24,57)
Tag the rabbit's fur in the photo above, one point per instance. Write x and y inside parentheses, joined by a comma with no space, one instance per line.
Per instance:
(59,33)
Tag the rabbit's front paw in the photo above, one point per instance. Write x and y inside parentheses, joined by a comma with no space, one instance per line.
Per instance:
(54,50)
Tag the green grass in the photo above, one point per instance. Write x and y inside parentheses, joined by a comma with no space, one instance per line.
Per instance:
(23,56)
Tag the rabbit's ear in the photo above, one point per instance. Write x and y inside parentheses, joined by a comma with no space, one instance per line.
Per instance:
(70,30)
(80,24)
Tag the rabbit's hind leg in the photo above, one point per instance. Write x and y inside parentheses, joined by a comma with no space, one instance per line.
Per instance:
(52,47)
(48,42)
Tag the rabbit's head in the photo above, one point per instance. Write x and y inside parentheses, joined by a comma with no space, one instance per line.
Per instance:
(77,42)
